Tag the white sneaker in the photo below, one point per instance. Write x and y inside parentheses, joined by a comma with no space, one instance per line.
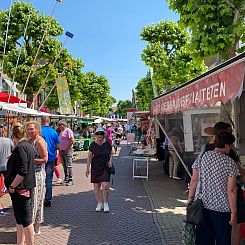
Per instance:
(106,207)
(59,181)
(99,207)
(37,232)
(176,178)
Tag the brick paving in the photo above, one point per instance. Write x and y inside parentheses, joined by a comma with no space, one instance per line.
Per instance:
(141,211)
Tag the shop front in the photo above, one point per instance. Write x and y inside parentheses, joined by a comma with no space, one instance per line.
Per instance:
(197,105)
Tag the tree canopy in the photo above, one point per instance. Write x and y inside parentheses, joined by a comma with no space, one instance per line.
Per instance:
(92,92)
(168,53)
(144,93)
(216,26)
(122,107)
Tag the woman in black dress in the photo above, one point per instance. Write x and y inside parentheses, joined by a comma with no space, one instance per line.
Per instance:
(100,158)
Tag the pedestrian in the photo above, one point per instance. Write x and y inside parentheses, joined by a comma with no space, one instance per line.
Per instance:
(20,181)
(219,127)
(52,140)
(6,147)
(34,136)
(109,133)
(66,151)
(174,161)
(100,159)
(214,181)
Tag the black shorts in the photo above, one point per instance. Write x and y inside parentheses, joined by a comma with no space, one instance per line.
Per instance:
(22,209)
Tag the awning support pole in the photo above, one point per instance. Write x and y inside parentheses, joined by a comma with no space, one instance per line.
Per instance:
(182,162)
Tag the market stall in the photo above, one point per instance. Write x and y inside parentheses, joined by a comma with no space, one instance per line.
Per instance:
(215,95)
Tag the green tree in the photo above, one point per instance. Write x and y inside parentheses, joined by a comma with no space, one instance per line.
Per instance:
(216,25)
(144,93)
(122,107)
(95,94)
(50,48)
(168,54)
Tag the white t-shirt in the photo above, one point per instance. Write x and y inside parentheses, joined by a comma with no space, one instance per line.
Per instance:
(6,146)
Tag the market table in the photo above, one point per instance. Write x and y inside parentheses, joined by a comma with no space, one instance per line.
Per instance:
(86,142)
(140,159)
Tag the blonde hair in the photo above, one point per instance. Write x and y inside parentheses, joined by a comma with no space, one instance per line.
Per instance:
(19,131)
(37,126)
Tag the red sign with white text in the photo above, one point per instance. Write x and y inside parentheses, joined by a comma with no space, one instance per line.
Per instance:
(223,86)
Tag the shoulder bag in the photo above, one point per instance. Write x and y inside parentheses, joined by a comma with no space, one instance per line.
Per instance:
(194,210)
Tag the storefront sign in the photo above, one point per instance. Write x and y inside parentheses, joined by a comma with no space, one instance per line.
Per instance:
(223,86)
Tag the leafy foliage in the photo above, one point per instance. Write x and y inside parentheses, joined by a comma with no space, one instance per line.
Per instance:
(144,93)
(95,94)
(122,107)
(92,92)
(168,54)
(216,25)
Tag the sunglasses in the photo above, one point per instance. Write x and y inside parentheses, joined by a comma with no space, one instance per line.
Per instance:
(100,133)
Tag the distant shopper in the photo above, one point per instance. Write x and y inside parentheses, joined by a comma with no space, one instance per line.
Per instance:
(6,147)
(20,181)
(41,157)
(174,161)
(66,151)
(109,133)
(100,159)
(52,139)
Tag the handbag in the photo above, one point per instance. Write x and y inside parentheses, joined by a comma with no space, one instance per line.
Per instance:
(112,170)
(194,212)
(188,232)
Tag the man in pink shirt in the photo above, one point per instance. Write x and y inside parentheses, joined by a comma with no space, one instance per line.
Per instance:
(66,151)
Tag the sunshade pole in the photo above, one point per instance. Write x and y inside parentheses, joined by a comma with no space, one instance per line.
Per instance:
(182,162)
(45,79)
(20,50)
(44,33)
(5,44)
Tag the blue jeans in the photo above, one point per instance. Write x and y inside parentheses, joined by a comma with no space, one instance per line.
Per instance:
(49,168)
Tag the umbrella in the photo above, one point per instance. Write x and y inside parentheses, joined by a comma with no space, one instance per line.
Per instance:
(4,97)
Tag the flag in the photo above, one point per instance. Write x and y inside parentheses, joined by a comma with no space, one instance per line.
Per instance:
(64,96)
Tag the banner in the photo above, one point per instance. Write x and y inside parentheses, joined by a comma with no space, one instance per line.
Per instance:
(64,96)
(223,86)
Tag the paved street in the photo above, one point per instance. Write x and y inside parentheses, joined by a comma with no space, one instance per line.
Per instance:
(141,212)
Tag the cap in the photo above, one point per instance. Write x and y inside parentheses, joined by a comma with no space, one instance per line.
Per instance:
(99,130)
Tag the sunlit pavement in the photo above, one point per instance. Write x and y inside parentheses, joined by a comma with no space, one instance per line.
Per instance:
(141,211)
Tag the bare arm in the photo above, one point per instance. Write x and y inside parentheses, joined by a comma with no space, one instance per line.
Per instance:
(110,160)
(232,198)
(89,160)
(193,185)
(43,152)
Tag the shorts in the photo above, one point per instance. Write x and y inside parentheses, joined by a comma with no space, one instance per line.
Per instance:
(22,209)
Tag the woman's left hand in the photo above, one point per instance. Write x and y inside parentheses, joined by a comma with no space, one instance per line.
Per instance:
(233,220)
(110,164)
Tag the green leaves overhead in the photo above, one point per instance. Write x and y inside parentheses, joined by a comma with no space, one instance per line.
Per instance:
(216,25)
(122,107)
(89,90)
(168,53)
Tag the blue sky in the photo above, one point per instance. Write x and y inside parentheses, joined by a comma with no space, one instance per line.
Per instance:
(107,35)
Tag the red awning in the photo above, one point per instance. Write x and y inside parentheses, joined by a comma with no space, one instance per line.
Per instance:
(4,97)
(222,86)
